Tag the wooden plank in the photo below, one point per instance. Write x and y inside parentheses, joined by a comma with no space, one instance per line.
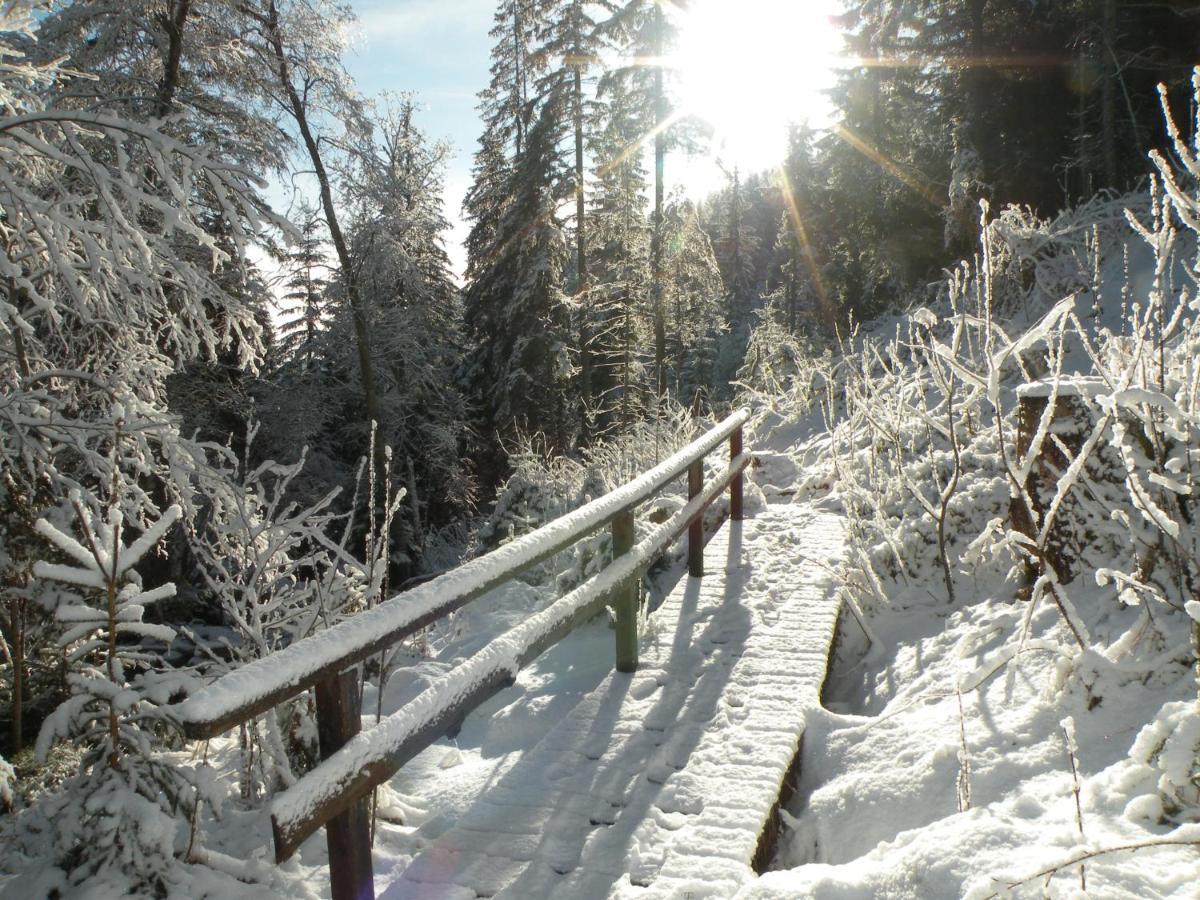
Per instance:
(202,726)
(348,834)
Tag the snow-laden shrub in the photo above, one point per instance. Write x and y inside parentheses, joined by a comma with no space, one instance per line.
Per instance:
(1021,420)
(1044,417)
(782,370)
(279,571)
(8,785)
(1170,747)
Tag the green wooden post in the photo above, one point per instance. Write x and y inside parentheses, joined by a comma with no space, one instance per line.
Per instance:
(696,526)
(735,486)
(625,603)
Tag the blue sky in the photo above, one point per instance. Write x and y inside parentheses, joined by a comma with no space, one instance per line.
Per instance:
(438,49)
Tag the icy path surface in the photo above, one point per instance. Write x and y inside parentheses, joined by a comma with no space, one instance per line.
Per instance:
(659,784)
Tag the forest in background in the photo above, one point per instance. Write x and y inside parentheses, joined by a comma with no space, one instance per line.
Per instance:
(303,470)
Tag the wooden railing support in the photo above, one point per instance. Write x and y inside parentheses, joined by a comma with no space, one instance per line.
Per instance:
(735,486)
(625,603)
(696,527)
(347,835)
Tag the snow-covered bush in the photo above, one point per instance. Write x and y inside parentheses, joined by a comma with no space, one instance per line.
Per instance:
(1169,746)
(280,570)
(1042,420)
(8,785)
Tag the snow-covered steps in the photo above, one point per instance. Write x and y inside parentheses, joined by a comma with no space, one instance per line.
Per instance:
(660,784)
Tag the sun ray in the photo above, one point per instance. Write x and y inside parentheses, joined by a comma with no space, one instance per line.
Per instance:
(669,122)
(887,164)
(796,219)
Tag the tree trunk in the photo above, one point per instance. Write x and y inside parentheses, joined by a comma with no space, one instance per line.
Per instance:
(1108,91)
(581,261)
(735,250)
(17,648)
(976,89)
(518,78)
(349,280)
(793,286)
(173,25)
(656,239)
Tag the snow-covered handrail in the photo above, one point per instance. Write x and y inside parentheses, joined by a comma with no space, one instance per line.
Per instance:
(264,683)
(371,757)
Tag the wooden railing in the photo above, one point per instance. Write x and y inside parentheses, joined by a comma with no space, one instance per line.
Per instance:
(353,763)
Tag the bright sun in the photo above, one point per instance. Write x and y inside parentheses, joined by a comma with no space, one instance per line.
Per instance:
(750,68)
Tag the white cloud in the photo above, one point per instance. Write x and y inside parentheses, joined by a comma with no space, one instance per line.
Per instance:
(388,22)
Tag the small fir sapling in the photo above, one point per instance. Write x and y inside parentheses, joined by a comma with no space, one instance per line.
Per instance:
(120,818)
(280,571)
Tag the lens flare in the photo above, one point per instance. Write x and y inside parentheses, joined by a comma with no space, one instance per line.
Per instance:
(750,68)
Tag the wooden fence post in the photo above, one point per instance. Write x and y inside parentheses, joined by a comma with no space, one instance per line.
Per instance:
(735,486)
(625,604)
(696,526)
(347,836)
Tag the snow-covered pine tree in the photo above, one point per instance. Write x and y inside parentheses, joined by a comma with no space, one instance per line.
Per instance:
(517,321)
(619,314)
(121,823)
(295,47)
(694,302)
(737,249)
(396,226)
(304,296)
(643,30)
(568,47)
(794,247)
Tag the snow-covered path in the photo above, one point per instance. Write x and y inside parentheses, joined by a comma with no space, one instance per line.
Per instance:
(659,783)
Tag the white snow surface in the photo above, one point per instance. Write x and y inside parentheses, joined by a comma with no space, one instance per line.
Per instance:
(658,784)
(296,663)
(877,812)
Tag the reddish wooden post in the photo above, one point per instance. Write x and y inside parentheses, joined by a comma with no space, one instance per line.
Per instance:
(625,604)
(347,836)
(696,526)
(735,486)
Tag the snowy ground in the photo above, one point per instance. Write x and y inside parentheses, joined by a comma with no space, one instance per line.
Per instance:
(903,795)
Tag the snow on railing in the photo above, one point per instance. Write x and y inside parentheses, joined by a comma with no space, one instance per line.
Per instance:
(353,762)
(264,683)
(373,756)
